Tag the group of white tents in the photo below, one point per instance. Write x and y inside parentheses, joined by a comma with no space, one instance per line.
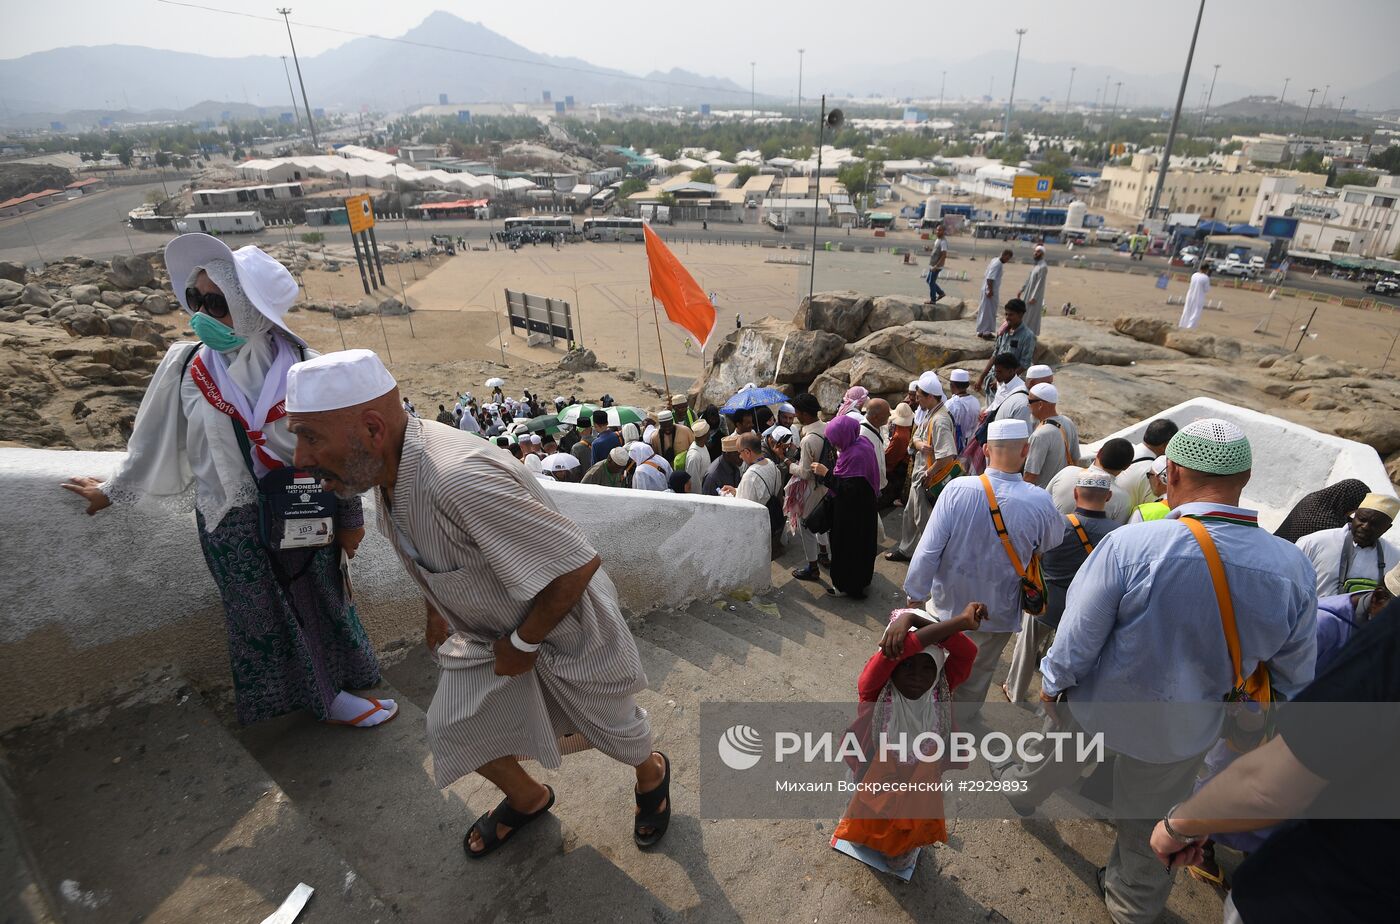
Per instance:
(356,166)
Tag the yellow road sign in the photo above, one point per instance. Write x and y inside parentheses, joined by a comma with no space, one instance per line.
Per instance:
(361,212)
(1031,187)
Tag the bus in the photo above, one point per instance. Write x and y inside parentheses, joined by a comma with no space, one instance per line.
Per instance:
(562,223)
(602,201)
(613,229)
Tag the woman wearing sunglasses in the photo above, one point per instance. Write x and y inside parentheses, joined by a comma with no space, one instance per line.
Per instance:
(212,430)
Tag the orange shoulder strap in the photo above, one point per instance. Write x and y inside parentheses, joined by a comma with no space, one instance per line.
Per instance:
(1083,536)
(1222,593)
(1000,523)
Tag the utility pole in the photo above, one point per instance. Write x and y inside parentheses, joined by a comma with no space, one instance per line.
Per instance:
(800,53)
(1325,90)
(752,65)
(286,11)
(1340,107)
(1176,116)
(1105,90)
(1117,88)
(1283,94)
(1306,112)
(1006,128)
(1071,87)
(1209,96)
(296,110)
(942,86)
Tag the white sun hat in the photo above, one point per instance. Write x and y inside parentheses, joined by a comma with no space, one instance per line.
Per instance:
(266,282)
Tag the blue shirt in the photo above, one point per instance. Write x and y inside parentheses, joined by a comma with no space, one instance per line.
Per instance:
(960,558)
(603,444)
(1141,625)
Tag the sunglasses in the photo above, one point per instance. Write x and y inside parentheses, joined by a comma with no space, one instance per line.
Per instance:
(211,303)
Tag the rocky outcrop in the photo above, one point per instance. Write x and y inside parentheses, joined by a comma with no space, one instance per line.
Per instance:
(10,291)
(748,354)
(84,294)
(11,271)
(895,310)
(806,354)
(840,313)
(578,359)
(387,306)
(130,272)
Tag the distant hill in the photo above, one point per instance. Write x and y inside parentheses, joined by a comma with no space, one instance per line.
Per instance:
(364,71)
(1267,107)
(23,179)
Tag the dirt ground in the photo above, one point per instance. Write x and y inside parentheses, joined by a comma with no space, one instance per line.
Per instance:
(459,301)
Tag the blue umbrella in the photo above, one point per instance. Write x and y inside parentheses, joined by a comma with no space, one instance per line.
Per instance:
(1212,227)
(750,398)
(1246,230)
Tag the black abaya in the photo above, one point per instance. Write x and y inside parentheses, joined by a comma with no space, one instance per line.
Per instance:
(853,535)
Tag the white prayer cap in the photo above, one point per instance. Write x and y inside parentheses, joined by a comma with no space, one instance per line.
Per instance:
(665,417)
(679,399)
(639,452)
(337,380)
(1094,478)
(1039,248)
(536,440)
(1046,392)
(1040,371)
(928,384)
(914,385)
(1013,429)
(618,455)
(786,408)
(701,429)
(959,375)
(559,462)
(267,283)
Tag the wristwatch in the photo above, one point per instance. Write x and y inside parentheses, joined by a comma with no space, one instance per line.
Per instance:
(1183,839)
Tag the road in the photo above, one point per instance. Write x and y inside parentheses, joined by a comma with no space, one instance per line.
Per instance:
(95,227)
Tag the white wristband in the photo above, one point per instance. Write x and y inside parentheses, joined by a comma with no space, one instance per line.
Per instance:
(521,644)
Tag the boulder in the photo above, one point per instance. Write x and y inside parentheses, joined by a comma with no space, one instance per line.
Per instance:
(749,354)
(840,313)
(1214,346)
(806,354)
(1065,340)
(890,311)
(924,345)
(1147,330)
(578,359)
(11,271)
(830,387)
(112,299)
(35,294)
(392,306)
(84,294)
(947,309)
(1380,431)
(158,304)
(130,272)
(33,311)
(86,325)
(120,325)
(10,292)
(878,376)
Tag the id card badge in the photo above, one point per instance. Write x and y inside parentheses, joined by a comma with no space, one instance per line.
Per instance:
(306,533)
(307,513)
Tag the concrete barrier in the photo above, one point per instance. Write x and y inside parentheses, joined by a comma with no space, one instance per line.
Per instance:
(92,602)
(1290,460)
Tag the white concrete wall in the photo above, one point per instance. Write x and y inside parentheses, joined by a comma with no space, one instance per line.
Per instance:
(1290,460)
(91,601)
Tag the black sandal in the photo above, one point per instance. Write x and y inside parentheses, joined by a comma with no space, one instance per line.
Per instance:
(649,811)
(809,573)
(502,814)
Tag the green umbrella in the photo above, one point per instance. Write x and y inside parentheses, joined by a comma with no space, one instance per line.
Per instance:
(619,415)
(576,413)
(545,423)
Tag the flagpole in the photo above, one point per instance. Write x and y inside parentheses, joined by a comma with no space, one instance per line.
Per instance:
(666,379)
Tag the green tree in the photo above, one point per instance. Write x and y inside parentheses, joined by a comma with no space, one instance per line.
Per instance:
(702,175)
(630,186)
(746,173)
(1387,160)
(1310,162)
(1354,178)
(312,237)
(162,159)
(674,169)
(666,198)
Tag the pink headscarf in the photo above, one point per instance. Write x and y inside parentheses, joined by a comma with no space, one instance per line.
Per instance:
(856,397)
(855,457)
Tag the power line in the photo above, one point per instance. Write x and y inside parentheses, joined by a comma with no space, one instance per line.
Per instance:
(597,72)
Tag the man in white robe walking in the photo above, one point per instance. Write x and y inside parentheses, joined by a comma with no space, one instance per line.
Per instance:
(991,296)
(1195,298)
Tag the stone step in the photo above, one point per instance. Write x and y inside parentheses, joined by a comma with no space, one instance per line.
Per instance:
(24,896)
(156,813)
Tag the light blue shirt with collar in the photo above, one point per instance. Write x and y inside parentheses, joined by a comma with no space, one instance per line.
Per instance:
(1142,625)
(960,559)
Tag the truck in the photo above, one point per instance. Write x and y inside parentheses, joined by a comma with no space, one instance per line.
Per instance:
(220,222)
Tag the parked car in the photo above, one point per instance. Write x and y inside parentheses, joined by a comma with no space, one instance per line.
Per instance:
(1189,255)
(1257,264)
(1234,268)
(1389,286)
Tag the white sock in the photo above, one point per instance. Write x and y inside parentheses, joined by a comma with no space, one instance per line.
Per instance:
(347,706)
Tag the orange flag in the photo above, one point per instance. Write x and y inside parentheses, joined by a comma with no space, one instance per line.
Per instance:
(673,286)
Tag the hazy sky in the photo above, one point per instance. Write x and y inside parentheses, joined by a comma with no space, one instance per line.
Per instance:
(1343,42)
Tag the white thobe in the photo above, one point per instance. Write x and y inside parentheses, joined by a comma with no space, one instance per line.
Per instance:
(1135,481)
(987,310)
(877,443)
(1195,301)
(1033,294)
(960,559)
(469,422)
(964,410)
(760,482)
(697,463)
(652,475)
(1324,550)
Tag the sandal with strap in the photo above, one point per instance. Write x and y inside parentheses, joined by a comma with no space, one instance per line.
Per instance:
(502,814)
(649,811)
(376,707)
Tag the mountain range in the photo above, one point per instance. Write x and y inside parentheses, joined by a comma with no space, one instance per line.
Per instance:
(470,63)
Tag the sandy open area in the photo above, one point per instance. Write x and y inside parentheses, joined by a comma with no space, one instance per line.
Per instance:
(459,302)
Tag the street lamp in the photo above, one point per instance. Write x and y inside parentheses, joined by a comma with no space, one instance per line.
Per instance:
(296,110)
(1283,94)
(1209,95)
(800,52)
(1176,116)
(286,11)
(1006,128)
(834,120)
(1117,88)
(1071,87)
(752,65)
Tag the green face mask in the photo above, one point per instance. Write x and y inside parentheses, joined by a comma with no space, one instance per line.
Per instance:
(216,335)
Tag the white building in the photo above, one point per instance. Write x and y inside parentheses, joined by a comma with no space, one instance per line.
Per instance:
(799,211)
(233,195)
(220,222)
(1356,220)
